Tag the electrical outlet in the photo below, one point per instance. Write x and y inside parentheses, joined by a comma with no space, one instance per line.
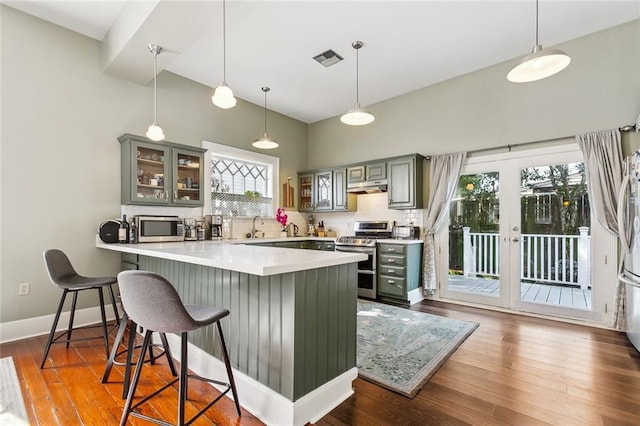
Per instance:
(23,289)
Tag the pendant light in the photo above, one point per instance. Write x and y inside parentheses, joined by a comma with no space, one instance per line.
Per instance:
(539,63)
(357,116)
(223,95)
(265,142)
(155,132)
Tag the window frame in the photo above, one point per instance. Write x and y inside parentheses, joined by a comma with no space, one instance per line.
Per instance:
(273,173)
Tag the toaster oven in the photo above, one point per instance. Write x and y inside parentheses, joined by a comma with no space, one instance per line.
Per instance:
(406,232)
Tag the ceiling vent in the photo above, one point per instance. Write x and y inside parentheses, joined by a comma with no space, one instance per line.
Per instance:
(328,58)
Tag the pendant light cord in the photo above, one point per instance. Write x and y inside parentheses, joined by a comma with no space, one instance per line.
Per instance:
(536,22)
(265,90)
(155,84)
(224,42)
(357,76)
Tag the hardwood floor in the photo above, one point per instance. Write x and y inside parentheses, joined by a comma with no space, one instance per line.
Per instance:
(68,390)
(513,370)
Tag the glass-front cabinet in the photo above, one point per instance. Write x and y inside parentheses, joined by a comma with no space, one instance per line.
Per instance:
(306,192)
(188,172)
(151,165)
(324,190)
(316,191)
(161,173)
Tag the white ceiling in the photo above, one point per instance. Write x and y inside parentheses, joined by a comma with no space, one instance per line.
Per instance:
(407,44)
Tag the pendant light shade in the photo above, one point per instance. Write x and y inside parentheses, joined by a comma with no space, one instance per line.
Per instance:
(357,116)
(154,132)
(265,142)
(223,95)
(539,63)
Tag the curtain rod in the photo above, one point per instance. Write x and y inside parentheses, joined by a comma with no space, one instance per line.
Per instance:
(509,147)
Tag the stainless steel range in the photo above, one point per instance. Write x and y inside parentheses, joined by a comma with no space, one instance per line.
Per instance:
(364,241)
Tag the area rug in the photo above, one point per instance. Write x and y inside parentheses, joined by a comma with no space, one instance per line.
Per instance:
(401,349)
(12,409)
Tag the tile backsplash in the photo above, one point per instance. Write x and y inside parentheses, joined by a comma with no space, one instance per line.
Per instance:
(370,207)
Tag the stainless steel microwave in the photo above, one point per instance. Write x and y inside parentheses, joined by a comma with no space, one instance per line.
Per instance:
(153,229)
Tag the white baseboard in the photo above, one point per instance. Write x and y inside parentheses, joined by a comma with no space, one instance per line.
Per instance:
(415,296)
(264,403)
(37,326)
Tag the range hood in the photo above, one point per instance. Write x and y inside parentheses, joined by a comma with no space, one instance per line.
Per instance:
(368,187)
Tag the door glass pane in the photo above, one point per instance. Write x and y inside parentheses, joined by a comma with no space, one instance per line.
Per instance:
(474,257)
(150,183)
(323,188)
(555,241)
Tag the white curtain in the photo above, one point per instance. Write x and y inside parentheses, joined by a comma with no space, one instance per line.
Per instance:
(443,180)
(603,160)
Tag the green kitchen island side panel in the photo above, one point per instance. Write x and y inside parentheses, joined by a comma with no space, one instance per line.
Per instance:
(292,332)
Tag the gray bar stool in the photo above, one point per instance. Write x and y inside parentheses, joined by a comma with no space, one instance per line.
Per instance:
(131,346)
(153,303)
(62,275)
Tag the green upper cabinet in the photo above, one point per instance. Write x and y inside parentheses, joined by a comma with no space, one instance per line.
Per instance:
(356,174)
(161,173)
(307,193)
(406,184)
(189,177)
(342,200)
(367,172)
(376,171)
(324,190)
(316,191)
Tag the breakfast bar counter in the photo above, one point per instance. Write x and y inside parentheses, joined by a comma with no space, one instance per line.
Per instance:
(291,334)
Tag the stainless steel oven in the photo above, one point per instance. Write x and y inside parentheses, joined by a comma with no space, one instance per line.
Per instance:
(364,241)
(367,286)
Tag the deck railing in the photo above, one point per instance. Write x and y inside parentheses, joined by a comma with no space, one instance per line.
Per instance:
(554,259)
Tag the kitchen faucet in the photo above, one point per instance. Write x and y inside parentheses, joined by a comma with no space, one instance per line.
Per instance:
(253,227)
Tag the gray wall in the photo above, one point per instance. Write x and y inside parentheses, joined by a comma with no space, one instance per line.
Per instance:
(61,115)
(60,163)
(599,90)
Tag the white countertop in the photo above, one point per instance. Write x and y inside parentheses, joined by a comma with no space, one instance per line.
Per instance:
(398,241)
(233,255)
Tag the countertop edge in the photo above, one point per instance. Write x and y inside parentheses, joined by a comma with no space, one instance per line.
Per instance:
(203,253)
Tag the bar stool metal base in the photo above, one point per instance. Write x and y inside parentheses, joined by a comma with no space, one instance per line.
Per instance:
(128,363)
(182,381)
(52,339)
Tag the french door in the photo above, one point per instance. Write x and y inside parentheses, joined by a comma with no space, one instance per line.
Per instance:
(520,235)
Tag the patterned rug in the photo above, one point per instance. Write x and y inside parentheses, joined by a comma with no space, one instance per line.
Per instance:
(12,409)
(401,349)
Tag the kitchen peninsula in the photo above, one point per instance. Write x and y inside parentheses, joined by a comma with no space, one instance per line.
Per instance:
(291,334)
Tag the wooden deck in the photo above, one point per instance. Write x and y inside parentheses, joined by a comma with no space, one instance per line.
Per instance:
(572,297)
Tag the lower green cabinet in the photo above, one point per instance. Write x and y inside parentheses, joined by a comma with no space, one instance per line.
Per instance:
(398,267)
